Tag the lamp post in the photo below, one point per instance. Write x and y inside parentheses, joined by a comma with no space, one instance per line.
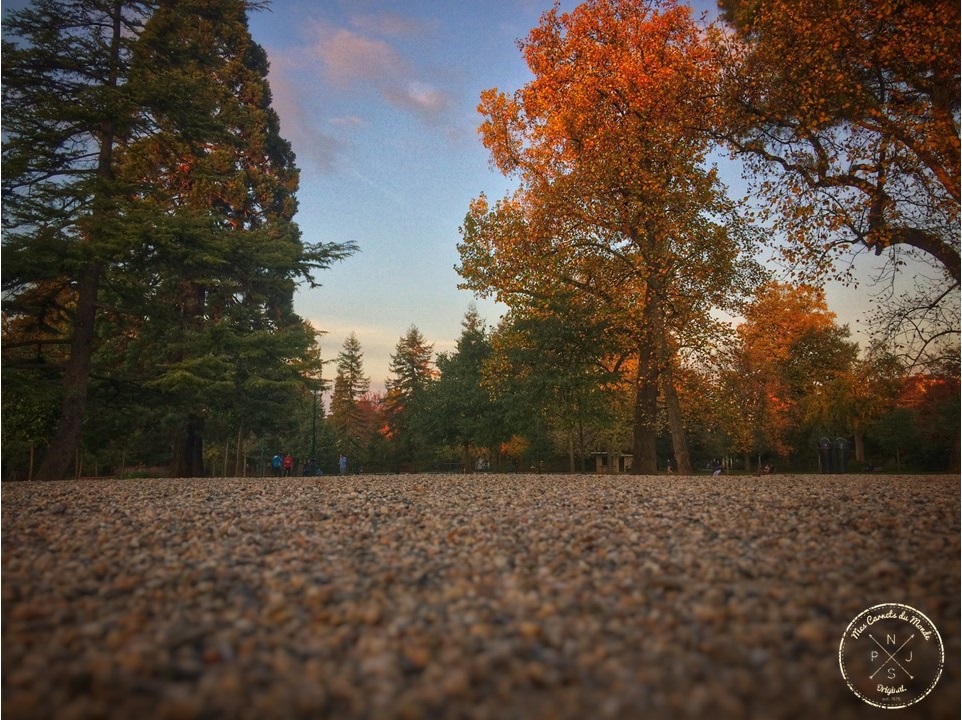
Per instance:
(314,435)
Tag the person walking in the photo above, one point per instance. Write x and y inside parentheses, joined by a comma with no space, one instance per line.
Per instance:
(342,464)
(277,465)
(288,465)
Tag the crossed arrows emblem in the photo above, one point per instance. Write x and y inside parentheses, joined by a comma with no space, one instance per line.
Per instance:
(891,656)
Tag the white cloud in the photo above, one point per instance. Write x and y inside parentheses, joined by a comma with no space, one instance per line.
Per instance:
(422,98)
(348,121)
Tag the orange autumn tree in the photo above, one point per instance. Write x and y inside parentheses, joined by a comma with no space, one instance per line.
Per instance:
(789,348)
(615,198)
(847,115)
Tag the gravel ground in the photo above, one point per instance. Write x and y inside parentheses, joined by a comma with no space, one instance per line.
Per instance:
(489,596)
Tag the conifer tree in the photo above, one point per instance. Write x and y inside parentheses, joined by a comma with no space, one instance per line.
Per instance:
(220,265)
(66,109)
(462,410)
(413,372)
(144,172)
(350,385)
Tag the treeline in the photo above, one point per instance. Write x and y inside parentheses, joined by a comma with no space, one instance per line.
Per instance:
(620,213)
(150,255)
(545,393)
(539,393)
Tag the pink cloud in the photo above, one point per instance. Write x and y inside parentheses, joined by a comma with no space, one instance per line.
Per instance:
(348,57)
(296,125)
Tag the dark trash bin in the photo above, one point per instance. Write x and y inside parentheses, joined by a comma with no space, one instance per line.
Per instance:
(825,464)
(841,455)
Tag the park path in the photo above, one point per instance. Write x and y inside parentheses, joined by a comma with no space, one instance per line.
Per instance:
(488,596)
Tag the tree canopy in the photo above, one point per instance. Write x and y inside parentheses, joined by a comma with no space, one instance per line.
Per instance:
(151,254)
(148,208)
(847,115)
(616,198)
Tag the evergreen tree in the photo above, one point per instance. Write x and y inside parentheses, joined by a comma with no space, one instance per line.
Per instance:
(219,271)
(350,386)
(413,372)
(462,411)
(66,110)
(185,233)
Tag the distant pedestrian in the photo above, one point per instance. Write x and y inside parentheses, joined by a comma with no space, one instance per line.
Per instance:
(277,465)
(288,465)
(671,471)
(342,464)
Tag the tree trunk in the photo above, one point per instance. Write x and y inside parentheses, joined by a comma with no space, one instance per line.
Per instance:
(188,460)
(645,461)
(66,439)
(666,380)
(240,461)
(859,444)
(581,444)
(679,441)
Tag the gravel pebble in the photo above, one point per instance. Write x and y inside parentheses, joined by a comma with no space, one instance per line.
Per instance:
(488,596)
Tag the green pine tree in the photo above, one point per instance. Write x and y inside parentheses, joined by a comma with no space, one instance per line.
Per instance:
(220,265)
(413,372)
(66,110)
(350,385)
(462,412)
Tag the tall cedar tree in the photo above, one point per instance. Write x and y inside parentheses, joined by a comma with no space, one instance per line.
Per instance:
(615,200)
(219,267)
(66,108)
(350,385)
(148,162)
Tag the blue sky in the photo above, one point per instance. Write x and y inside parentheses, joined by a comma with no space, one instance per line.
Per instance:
(379,101)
